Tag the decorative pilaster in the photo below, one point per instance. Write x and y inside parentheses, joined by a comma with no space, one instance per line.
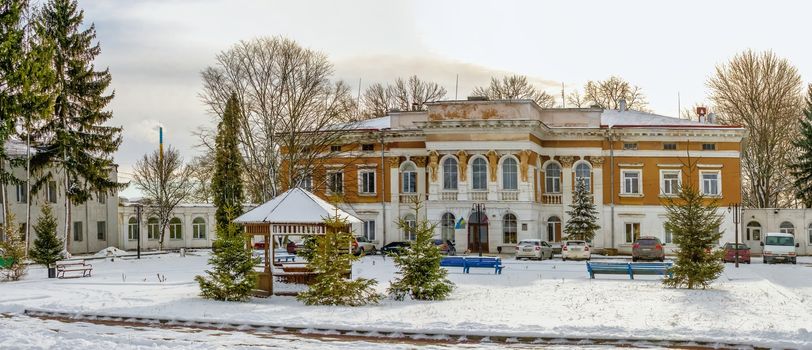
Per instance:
(493,162)
(524,160)
(434,159)
(463,164)
(597,162)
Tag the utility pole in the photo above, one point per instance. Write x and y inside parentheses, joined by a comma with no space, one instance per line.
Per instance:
(27,185)
(138,228)
(734,207)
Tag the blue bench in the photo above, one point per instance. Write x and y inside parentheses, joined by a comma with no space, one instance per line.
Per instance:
(473,262)
(630,269)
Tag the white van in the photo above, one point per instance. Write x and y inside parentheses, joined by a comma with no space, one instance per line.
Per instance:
(779,247)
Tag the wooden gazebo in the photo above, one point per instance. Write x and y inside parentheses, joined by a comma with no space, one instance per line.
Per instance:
(297,212)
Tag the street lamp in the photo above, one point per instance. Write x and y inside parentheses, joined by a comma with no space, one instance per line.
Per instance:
(478,209)
(138,228)
(734,208)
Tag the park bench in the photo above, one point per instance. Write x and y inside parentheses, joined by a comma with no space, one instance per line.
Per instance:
(63,267)
(473,262)
(285,258)
(630,269)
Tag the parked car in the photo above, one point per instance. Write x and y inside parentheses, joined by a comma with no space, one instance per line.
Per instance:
(394,248)
(732,248)
(779,247)
(648,248)
(575,249)
(446,247)
(533,249)
(361,245)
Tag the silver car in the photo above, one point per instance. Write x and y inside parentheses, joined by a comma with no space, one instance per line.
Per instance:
(533,249)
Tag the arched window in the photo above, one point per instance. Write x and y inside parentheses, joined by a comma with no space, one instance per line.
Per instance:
(787,227)
(552,176)
(584,173)
(510,172)
(447,227)
(175,229)
(450,174)
(132,229)
(199,228)
(553,229)
(753,231)
(409,229)
(479,174)
(408,178)
(152,229)
(509,229)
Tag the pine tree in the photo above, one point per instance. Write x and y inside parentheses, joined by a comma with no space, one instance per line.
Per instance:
(232,277)
(75,136)
(332,261)
(47,247)
(13,248)
(802,167)
(583,216)
(694,224)
(226,183)
(420,274)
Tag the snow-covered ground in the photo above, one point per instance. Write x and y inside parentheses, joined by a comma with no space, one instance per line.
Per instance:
(763,305)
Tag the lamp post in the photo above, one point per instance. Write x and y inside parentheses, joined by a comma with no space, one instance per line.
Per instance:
(734,208)
(138,229)
(478,209)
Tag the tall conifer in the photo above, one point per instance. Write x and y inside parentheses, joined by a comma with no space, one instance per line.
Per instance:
(226,183)
(583,220)
(75,140)
(802,167)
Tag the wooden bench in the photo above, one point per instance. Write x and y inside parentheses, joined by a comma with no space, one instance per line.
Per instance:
(630,269)
(473,262)
(73,266)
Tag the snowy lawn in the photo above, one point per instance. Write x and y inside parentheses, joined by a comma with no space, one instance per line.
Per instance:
(764,305)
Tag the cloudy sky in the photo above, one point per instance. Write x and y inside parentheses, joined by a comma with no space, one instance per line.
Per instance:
(155,49)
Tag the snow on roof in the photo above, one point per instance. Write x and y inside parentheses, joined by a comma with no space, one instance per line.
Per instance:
(16,148)
(368,124)
(296,206)
(611,117)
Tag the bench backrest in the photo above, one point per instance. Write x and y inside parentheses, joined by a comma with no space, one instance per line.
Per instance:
(70,263)
(452,261)
(607,265)
(483,261)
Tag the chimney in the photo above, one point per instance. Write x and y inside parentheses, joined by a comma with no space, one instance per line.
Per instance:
(711,118)
(622,104)
(415,106)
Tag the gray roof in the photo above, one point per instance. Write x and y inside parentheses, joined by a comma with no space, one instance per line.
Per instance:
(296,206)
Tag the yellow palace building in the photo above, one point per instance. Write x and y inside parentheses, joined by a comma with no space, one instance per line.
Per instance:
(520,163)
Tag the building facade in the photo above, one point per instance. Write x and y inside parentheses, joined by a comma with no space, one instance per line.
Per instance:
(521,162)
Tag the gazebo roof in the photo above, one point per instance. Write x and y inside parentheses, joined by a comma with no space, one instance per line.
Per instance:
(295,206)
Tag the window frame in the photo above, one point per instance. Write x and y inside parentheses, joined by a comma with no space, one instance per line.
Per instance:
(668,236)
(510,222)
(447,175)
(510,171)
(552,181)
(51,192)
(790,230)
(587,178)
(175,229)
(630,146)
(718,174)
(663,181)
(78,234)
(153,229)
(632,236)
(369,227)
(447,230)
(22,193)
(482,175)
(132,229)
(708,146)
(669,146)
(199,228)
(335,148)
(411,221)
(408,178)
(367,179)
(331,184)
(623,178)
(368,147)
(101,230)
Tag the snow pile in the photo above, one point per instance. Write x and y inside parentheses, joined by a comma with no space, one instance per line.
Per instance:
(110,251)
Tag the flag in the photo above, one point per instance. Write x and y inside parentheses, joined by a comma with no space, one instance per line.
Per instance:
(460,224)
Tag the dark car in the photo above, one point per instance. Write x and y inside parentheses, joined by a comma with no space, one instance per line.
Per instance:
(730,252)
(394,248)
(446,247)
(648,248)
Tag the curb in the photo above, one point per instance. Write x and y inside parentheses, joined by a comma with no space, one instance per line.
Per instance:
(361,334)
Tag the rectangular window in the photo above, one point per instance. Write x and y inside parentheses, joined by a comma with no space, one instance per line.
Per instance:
(710,183)
(409,182)
(335,148)
(632,231)
(101,230)
(669,182)
(335,182)
(367,147)
(369,230)
(668,237)
(708,146)
(22,193)
(631,181)
(102,197)
(77,231)
(631,146)
(367,182)
(152,229)
(306,182)
(669,146)
(52,191)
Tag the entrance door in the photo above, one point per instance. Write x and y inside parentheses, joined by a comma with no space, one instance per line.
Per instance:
(478,242)
(752,236)
(554,229)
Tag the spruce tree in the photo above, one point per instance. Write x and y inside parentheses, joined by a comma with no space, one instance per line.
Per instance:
(583,221)
(232,277)
(332,261)
(694,223)
(421,276)
(802,166)
(75,138)
(47,247)
(226,183)
(13,248)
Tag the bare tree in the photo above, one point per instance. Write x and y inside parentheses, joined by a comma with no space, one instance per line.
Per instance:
(405,95)
(285,95)
(762,92)
(515,87)
(201,171)
(608,94)
(165,182)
